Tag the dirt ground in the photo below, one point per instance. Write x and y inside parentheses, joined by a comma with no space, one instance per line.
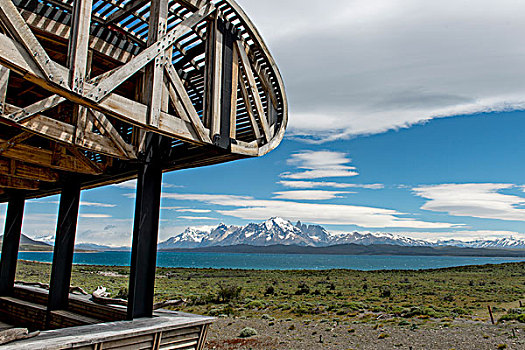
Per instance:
(324,334)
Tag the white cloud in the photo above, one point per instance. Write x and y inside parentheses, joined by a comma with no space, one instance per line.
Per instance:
(313,195)
(196,211)
(480,200)
(196,218)
(374,65)
(130,184)
(317,184)
(95,204)
(249,208)
(94,216)
(320,164)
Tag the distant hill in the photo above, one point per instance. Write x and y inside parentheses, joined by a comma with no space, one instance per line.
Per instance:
(359,249)
(100,247)
(29,244)
(275,231)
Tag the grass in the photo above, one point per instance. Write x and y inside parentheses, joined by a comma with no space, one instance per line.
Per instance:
(358,296)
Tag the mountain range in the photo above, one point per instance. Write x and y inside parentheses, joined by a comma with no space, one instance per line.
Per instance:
(278,231)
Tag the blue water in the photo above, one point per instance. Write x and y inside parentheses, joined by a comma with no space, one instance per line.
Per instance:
(277,261)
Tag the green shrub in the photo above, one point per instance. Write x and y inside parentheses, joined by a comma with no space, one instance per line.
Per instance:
(247,332)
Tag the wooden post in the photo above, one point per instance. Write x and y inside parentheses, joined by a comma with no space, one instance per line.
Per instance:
(222,138)
(145,232)
(147,202)
(11,241)
(490,313)
(64,246)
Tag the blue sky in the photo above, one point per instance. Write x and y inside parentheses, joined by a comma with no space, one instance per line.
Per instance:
(405,116)
(458,177)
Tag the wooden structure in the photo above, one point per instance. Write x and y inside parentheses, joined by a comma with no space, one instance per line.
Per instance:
(96,92)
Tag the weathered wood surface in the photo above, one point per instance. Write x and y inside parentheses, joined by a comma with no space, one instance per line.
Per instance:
(84,102)
(118,332)
(12,334)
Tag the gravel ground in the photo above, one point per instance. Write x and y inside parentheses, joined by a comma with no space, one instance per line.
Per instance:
(310,335)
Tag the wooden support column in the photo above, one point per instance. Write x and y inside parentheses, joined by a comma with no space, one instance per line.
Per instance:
(11,241)
(147,202)
(145,231)
(219,81)
(64,245)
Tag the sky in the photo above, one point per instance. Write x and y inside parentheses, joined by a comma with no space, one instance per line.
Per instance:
(405,116)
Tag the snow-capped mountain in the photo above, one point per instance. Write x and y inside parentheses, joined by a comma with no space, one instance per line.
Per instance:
(269,232)
(378,238)
(507,242)
(280,231)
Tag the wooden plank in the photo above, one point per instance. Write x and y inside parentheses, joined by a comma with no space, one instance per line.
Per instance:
(4,79)
(186,103)
(124,72)
(20,30)
(18,183)
(11,241)
(106,128)
(27,171)
(45,158)
(252,89)
(58,298)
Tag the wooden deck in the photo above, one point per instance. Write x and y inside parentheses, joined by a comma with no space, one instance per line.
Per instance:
(87,325)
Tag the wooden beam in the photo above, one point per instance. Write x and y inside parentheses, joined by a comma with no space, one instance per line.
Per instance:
(26,171)
(252,89)
(154,74)
(25,113)
(4,80)
(11,242)
(45,158)
(4,146)
(107,129)
(65,133)
(235,86)
(79,61)
(17,183)
(215,74)
(114,105)
(17,26)
(185,100)
(58,298)
(222,139)
(124,72)
(83,159)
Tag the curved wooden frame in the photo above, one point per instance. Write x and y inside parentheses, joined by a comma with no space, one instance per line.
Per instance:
(82,82)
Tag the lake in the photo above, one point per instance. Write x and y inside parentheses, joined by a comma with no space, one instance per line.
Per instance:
(277,261)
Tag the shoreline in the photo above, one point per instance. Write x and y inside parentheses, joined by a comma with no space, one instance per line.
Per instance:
(292,270)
